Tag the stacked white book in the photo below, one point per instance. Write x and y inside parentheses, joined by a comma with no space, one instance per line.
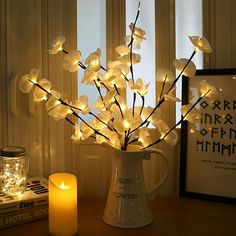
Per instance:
(29,206)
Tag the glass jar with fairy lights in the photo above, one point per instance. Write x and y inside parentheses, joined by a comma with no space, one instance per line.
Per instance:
(13,170)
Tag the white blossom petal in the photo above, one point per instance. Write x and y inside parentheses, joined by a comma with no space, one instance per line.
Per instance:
(165,75)
(25,85)
(57,45)
(122,50)
(77,134)
(201,43)
(189,71)
(71,60)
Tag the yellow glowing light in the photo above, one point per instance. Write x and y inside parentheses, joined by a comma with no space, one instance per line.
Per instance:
(162,136)
(94,63)
(82,107)
(200,43)
(75,62)
(123,107)
(126,124)
(221,89)
(33,80)
(141,140)
(57,102)
(63,186)
(98,84)
(192,131)
(234,77)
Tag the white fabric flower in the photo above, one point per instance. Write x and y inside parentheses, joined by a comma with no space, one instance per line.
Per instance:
(39,94)
(204,87)
(138,32)
(77,134)
(139,87)
(117,64)
(27,81)
(100,139)
(138,36)
(165,75)
(59,112)
(113,137)
(116,113)
(57,44)
(128,121)
(53,100)
(91,76)
(144,137)
(86,130)
(171,96)
(201,43)
(113,77)
(82,105)
(93,60)
(99,104)
(105,116)
(193,116)
(189,71)
(71,60)
(122,50)
(163,128)
(172,138)
(109,98)
(154,117)
(136,58)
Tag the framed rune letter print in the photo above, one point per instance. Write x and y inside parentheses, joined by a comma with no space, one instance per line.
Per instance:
(208,147)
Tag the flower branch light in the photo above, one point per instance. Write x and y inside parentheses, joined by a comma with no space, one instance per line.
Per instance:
(116,123)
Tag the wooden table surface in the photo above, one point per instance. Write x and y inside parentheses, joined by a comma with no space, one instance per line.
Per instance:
(172,217)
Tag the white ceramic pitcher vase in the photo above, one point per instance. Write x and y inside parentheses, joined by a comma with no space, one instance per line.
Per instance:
(127,202)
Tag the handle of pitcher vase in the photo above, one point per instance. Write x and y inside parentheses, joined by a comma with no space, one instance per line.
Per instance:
(151,193)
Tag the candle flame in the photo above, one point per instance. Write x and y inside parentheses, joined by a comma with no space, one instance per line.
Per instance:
(62,186)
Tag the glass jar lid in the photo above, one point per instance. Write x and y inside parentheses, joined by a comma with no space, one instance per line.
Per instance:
(12,151)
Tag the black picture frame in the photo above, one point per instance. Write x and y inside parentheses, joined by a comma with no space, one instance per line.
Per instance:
(185,189)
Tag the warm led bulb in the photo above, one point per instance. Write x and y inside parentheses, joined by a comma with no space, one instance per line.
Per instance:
(57,102)
(94,63)
(123,107)
(62,185)
(34,80)
(75,62)
(162,136)
(126,124)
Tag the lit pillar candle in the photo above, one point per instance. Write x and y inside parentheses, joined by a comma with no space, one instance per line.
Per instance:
(62,204)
